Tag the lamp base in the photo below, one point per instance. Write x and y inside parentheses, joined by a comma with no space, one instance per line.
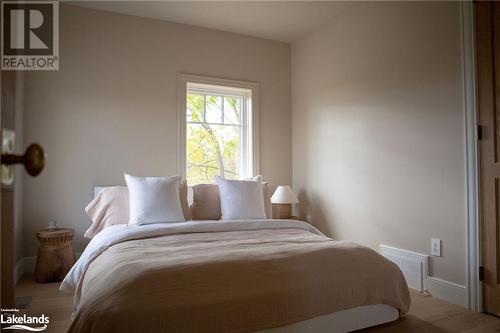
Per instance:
(283,211)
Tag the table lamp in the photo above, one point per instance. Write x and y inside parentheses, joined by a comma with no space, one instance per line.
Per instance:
(283,198)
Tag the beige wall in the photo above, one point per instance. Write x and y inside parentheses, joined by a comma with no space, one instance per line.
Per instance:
(378,128)
(112,107)
(378,133)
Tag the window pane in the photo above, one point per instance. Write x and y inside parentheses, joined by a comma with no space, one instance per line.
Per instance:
(214,109)
(195,105)
(232,110)
(212,150)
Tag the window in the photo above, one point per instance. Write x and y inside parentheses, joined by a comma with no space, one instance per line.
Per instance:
(218,131)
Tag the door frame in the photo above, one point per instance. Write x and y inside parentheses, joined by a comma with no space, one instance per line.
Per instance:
(473,299)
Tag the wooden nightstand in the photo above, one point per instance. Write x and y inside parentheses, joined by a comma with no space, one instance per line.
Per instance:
(55,255)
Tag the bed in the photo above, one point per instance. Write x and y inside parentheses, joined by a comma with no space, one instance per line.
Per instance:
(231,276)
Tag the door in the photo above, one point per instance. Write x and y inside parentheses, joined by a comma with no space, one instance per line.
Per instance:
(488,75)
(33,161)
(8,103)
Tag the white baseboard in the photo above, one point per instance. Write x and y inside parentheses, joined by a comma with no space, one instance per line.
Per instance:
(29,264)
(18,270)
(415,269)
(23,266)
(446,290)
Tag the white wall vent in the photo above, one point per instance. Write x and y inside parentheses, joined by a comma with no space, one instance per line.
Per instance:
(412,264)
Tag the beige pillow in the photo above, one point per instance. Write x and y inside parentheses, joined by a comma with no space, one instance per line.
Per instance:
(206,202)
(111,207)
(108,208)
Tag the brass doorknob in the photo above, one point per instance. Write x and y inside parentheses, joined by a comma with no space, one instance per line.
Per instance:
(33,159)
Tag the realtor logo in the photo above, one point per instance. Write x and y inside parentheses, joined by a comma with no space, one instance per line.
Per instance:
(30,35)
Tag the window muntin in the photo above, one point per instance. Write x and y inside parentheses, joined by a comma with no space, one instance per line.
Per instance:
(218,133)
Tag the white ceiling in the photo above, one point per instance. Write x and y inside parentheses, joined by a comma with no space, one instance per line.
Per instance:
(283,21)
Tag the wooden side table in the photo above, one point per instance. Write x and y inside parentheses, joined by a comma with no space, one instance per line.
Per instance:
(55,255)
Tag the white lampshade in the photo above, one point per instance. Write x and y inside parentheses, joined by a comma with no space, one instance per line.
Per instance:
(284,195)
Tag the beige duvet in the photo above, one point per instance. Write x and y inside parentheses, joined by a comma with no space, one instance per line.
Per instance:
(231,281)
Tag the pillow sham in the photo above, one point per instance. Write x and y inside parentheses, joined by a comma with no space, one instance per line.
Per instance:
(206,202)
(241,199)
(154,200)
(108,208)
(111,206)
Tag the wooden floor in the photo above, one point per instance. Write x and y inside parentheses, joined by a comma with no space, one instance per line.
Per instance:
(427,314)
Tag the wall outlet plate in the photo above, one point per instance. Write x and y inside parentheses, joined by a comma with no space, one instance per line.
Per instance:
(436,247)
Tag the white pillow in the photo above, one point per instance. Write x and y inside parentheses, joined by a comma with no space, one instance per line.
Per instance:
(154,200)
(241,199)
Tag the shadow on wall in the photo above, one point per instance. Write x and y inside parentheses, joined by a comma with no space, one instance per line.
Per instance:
(312,206)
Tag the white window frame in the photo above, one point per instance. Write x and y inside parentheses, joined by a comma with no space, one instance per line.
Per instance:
(251,100)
